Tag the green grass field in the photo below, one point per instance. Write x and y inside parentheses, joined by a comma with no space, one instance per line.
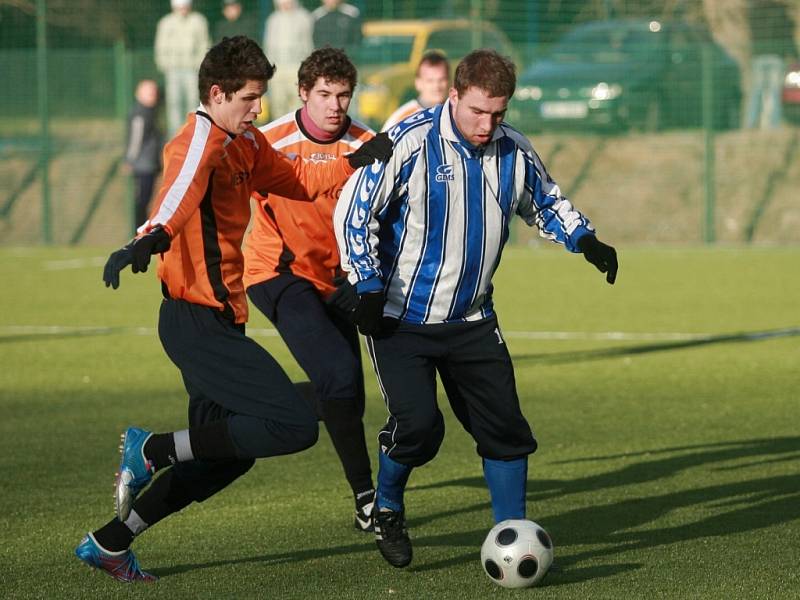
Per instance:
(668,461)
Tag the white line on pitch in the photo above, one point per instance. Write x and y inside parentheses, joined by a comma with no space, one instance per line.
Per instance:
(74,263)
(9,330)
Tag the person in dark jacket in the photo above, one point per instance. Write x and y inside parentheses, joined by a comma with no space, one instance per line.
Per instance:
(145,140)
(235,21)
(338,25)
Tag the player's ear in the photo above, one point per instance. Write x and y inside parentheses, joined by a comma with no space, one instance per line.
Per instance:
(215,94)
(453,94)
(303,93)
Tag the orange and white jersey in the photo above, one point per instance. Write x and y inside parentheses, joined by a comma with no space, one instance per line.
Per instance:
(298,237)
(403,111)
(204,205)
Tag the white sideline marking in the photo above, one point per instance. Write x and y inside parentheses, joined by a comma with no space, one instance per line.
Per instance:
(74,263)
(8,330)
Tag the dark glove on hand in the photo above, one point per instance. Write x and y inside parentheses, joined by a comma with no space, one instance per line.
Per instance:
(137,254)
(600,255)
(368,314)
(378,148)
(344,297)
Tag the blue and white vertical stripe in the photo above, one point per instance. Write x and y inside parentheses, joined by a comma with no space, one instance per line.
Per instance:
(429,226)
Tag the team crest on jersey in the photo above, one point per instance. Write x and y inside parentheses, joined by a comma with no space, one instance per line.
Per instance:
(240,177)
(445,173)
(318,157)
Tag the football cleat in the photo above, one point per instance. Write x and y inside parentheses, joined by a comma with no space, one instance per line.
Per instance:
(135,471)
(392,537)
(122,566)
(363,520)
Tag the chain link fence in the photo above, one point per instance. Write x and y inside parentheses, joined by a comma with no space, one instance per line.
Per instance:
(667,122)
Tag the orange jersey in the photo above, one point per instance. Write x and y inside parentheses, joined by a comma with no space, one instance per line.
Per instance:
(292,236)
(204,204)
(404,110)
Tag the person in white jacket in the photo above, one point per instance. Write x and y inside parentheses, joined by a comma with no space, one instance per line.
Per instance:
(182,40)
(287,42)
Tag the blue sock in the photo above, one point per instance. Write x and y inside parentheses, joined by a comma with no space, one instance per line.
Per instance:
(506,480)
(392,479)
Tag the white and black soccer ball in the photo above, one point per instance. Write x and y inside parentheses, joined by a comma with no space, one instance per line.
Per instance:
(517,553)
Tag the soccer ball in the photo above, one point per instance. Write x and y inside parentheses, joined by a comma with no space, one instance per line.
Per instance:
(517,553)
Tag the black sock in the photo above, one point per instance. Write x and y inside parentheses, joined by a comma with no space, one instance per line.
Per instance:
(212,441)
(347,434)
(166,495)
(160,450)
(364,497)
(114,536)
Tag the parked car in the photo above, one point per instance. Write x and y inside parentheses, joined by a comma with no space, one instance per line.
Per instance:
(618,74)
(791,94)
(391,51)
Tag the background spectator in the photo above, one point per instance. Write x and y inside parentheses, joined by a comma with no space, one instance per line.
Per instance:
(181,43)
(235,22)
(143,153)
(771,44)
(338,25)
(287,42)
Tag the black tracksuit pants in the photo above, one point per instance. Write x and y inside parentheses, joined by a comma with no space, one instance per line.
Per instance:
(473,363)
(327,347)
(229,376)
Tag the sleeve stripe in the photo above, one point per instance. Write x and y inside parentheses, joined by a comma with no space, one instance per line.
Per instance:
(177,190)
(294,137)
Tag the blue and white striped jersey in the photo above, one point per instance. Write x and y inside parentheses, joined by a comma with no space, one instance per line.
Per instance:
(429,225)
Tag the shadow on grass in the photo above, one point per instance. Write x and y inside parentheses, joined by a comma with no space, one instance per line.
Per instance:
(601,353)
(272,559)
(721,510)
(681,458)
(474,538)
(471,539)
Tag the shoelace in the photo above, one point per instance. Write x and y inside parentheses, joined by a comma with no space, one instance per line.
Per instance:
(391,524)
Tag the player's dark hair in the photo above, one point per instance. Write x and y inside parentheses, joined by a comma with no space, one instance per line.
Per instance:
(434,58)
(332,64)
(231,64)
(487,70)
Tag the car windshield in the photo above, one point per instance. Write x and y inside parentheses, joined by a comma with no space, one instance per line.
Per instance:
(606,45)
(385,49)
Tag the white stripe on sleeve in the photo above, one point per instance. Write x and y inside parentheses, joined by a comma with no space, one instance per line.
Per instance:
(177,190)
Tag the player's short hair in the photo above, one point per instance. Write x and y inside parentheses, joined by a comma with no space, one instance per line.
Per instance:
(487,70)
(231,64)
(434,58)
(332,64)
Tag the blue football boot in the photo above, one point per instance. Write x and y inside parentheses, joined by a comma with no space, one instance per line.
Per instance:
(122,566)
(135,471)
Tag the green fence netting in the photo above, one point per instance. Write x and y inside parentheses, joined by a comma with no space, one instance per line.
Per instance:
(666,121)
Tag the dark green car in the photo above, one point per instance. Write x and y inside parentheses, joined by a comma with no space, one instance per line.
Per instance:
(621,74)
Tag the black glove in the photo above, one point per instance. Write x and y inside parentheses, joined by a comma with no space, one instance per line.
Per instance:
(137,254)
(368,314)
(378,148)
(344,297)
(600,255)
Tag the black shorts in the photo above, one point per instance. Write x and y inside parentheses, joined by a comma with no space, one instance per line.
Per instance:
(324,343)
(476,371)
(221,364)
